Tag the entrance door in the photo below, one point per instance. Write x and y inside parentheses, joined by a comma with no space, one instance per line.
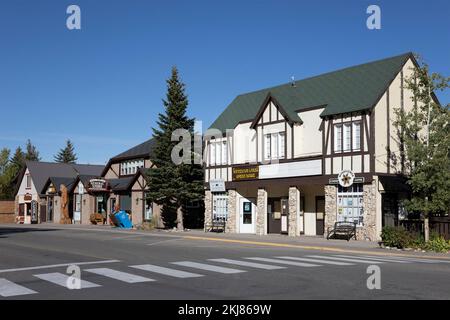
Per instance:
(320,215)
(284,216)
(274,215)
(50,209)
(247,215)
(43,213)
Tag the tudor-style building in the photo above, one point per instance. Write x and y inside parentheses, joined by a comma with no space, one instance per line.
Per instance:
(125,175)
(273,157)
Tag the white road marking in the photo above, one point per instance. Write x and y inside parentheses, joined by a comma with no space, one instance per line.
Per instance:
(207,267)
(58,265)
(410,259)
(248,264)
(290,263)
(10,289)
(336,263)
(61,280)
(119,275)
(167,271)
(374,258)
(347,259)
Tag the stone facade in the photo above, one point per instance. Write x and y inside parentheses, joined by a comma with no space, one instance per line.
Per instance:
(232,212)
(294,197)
(261,212)
(208,207)
(369,231)
(330,208)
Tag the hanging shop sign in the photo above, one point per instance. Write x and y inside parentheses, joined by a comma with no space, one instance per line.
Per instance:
(27,197)
(245,173)
(217,185)
(97,184)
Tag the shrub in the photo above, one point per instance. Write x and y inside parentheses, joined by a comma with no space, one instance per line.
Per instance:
(397,237)
(400,238)
(437,243)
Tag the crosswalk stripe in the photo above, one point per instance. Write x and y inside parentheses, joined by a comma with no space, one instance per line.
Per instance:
(248,264)
(336,263)
(415,259)
(167,271)
(347,259)
(374,258)
(61,280)
(11,289)
(207,267)
(119,275)
(290,263)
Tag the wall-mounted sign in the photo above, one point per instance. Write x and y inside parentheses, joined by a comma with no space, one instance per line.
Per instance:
(97,184)
(345,178)
(355,180)
(245,173)
(51,189)
(34,211)
(27,197)
(217,185)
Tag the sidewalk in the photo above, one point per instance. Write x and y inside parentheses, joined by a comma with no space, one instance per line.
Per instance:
(272,240)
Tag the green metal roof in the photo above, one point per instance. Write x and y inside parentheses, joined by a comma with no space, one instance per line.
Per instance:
(347,90)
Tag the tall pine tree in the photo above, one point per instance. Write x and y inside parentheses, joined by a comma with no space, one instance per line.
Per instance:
(66,154)
(171,185)
(32,154)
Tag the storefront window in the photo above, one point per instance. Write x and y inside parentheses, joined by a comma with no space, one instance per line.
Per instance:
(220,206)
(350,204)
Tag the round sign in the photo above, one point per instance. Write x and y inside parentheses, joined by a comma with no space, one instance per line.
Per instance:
(346,178)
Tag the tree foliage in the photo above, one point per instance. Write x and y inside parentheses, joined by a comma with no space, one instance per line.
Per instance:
(173,185)
(66,154)
(425,134)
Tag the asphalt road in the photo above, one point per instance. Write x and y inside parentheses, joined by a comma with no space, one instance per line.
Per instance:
(118,265)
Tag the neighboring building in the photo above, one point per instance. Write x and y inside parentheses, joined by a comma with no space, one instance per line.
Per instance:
(125,174)
(279,152)
(39,186)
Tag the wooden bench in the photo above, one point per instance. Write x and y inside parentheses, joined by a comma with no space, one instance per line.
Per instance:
(347,230)
(216,225)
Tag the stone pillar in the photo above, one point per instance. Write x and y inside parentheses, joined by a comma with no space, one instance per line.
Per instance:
(293,214)
(330,208)
(261,212)
(369,231)
(233,213)
(208,208)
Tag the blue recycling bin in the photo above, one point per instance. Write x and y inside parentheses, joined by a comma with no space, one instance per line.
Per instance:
(123,220)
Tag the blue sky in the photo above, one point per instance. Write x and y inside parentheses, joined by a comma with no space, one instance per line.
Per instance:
(102,86)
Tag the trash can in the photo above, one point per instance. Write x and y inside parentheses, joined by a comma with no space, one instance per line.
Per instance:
(123,220)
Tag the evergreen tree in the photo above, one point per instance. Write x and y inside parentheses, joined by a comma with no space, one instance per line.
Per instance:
(171,185)
(32,154)
(18,159)
(66,154)
(424,132)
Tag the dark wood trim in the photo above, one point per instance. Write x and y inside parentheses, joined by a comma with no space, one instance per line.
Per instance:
(362,134)
(291,181)
(285,141)
(372,141)
(269,98)
(292,142)
(257,140)
(270,112)
(332,144)
(269,123)
(322,126)
(347,154)
(311,108)
(388,134)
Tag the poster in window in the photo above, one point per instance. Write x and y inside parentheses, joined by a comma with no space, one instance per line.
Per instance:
(247,207)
